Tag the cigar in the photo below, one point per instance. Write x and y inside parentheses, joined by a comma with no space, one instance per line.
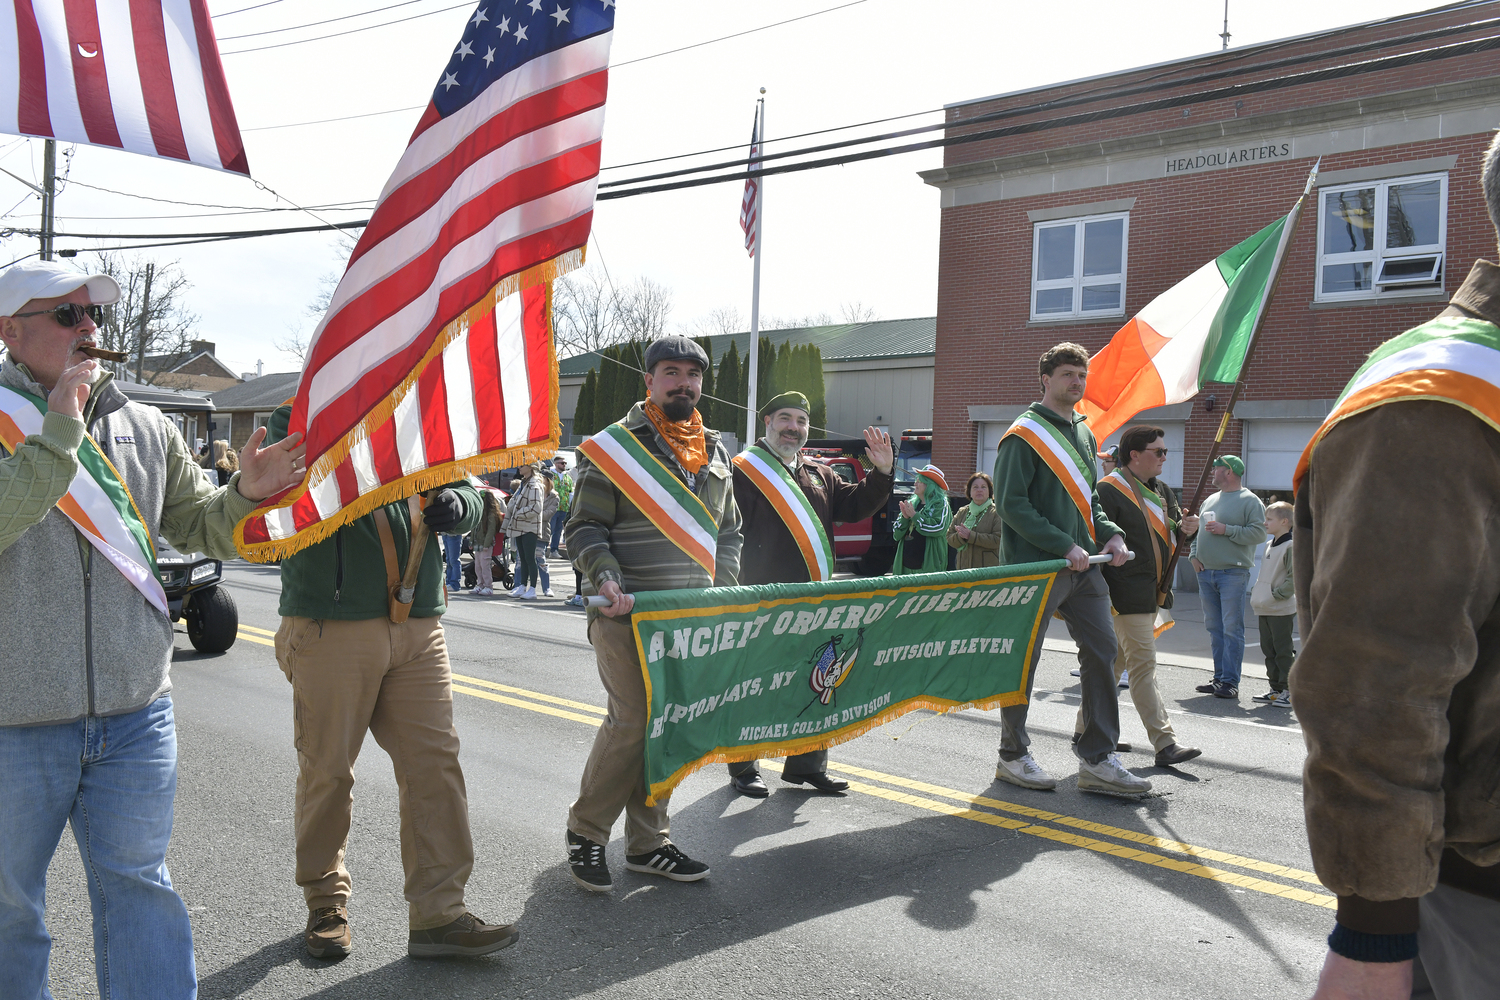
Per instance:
(101,354)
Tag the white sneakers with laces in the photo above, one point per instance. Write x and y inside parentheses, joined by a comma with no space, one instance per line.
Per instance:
(1024,771)
(1109,775)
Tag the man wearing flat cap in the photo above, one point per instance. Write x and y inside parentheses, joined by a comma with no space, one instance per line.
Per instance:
(772,477)
(88,480)
(659,457)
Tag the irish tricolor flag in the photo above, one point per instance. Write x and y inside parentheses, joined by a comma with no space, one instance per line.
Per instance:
(1197,331)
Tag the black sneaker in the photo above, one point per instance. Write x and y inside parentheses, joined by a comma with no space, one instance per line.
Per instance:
(1268,697)
(1206,688)
(669,861)
(1223,689)
(586,860)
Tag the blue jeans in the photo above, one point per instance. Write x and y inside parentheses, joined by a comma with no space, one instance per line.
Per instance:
(1223,594)
(114,779)
(452,546)
(558,517)
(541,568)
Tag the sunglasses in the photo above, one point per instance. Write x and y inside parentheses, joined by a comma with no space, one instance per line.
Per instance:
(70,314)
(1158,452)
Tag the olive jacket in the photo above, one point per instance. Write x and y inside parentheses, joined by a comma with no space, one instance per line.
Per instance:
(982,548)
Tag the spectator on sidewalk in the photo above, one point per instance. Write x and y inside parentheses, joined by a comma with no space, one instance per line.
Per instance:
(1109,459)
(482,540)
(523,528)
(226,463)
(1397,687)
(549,519)
(564,486)
(975,531)
(453,547)
(923,525)
(1233,526)
(1274,601)
(1144,507)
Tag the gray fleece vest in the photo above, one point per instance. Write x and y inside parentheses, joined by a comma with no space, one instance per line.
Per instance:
(79,639)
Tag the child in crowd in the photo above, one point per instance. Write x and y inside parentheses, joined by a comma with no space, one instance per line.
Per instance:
(1274,600)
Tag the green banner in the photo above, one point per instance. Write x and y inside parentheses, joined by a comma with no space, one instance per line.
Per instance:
(744,672)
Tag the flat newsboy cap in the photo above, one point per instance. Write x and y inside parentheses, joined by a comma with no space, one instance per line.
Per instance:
(675,349)
(791,398)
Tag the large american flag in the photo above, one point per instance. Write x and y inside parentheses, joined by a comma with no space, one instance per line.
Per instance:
(435,358)
(750,202)
(141,75)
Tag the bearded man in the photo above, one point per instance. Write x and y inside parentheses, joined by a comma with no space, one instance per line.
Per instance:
(660,458)
(773,481)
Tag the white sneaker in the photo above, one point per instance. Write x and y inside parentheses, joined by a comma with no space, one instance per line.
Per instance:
(518,591)
(1024,771)
(1284,700)
(1109,775)
(548,593)
(1125,678)
(1076,672)
(529,594)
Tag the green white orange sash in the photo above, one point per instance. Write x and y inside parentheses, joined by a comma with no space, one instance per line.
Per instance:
(98,502)
(1152,506)
(1063,459)
(656,492)
(1451,359)
(780,488)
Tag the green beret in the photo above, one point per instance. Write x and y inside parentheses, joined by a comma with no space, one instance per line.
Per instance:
(792,398)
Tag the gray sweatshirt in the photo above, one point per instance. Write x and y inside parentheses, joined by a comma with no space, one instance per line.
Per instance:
(1245,516)
(79,639)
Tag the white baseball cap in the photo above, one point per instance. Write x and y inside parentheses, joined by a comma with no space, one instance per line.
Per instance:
(45,279)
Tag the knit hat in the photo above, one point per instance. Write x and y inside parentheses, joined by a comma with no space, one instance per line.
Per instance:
(935,474)
(791,398)
(1232,463)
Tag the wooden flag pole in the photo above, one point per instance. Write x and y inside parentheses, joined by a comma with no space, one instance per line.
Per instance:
(1234,394)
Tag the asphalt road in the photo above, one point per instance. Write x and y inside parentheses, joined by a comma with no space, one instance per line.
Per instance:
(927,879)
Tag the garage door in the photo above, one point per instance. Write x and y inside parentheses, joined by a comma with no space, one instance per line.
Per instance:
(1272,448)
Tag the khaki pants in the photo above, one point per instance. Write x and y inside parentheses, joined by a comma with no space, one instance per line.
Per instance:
(1136,636)
(392,680)
(614,779)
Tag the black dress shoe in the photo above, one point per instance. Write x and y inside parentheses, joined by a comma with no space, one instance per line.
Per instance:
(749,785)
(821,781)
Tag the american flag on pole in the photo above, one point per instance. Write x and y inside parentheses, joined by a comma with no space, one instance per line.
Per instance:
(435,359)
(750,203)
(139,75)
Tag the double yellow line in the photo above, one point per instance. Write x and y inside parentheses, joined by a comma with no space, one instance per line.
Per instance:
(1074,831)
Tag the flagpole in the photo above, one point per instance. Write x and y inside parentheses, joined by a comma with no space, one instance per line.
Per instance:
(1295,217)
(751,409)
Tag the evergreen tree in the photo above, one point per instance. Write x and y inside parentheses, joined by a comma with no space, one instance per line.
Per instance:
(727,415)
(816,393)
(766,387)
(604,394)
(706,406)
(583,412)
(784,370)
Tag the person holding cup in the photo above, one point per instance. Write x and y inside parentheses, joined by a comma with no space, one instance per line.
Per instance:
(1233,526)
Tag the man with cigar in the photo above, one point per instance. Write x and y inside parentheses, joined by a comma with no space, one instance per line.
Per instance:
(88,480)
(659,458)
(773,482)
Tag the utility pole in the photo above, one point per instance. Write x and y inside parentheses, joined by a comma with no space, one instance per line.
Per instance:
(1225,34)
(49,195)
(142,335)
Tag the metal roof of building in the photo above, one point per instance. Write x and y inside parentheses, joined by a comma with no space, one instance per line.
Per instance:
(264,393)
(170,400)
(889,338)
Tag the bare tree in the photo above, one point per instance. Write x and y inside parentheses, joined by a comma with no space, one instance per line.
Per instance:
(150,318)
(645,306)
(299,338)
(719,322)
(586,313)
(795,322)
(858,312)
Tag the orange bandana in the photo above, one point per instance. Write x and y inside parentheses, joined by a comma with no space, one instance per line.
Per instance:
(684,437)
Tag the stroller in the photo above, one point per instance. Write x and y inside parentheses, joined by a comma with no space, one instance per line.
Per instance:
(500,568)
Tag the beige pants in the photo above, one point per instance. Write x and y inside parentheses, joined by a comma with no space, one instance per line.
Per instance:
(614,779)
(1136,636)
(392,680)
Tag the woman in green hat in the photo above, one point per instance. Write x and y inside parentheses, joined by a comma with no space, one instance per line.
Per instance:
(921,530)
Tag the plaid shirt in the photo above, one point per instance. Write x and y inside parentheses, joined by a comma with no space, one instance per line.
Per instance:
(610,539)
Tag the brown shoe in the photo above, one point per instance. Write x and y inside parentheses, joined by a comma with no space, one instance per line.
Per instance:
(327,934)
(468,935)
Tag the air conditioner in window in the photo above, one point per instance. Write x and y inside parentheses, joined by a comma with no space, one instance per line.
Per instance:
(1423,269)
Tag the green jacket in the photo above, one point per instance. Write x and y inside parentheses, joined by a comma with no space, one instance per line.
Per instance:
(1040,521)
(343,577)
(934,515)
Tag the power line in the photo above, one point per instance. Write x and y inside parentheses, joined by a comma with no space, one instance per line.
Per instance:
(243,9)
(363,206)
(205,204)
(342,118)
(737,34)
(330,20)
(230,235)
(351,31)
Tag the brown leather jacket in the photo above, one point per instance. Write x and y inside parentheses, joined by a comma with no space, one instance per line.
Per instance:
(1398,683)
(770,554)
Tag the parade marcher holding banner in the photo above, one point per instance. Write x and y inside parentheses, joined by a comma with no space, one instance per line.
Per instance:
(653,509)
(359,663)
(975,531)
(1397,687)
(921,530)
(789,504)
(88,480)
(1044,481)
(1145,509)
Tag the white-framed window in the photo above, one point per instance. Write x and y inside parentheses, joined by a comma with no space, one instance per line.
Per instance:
(261,419)
(1381,239)
(1078,267)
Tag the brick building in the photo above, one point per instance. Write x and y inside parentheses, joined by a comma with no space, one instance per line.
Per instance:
(1087,199)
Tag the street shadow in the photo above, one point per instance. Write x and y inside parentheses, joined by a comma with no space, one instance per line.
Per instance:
(244,975)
